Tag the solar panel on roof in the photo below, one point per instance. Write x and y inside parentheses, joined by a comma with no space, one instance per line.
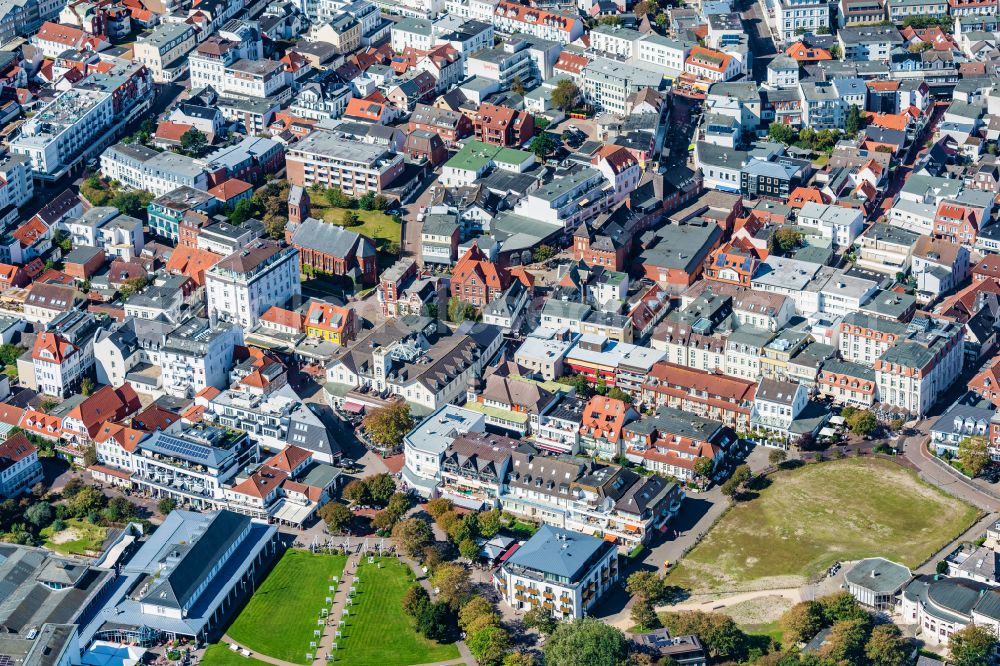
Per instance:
(6,660)
(184,448)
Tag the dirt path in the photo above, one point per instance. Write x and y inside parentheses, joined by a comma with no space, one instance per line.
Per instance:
(793,594)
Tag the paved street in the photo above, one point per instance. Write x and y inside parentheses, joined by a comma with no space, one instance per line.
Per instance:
(761,42)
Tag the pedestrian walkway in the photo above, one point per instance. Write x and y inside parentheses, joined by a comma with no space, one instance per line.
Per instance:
(340,596)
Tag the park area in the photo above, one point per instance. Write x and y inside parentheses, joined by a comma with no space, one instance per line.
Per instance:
(377,632)
(810,517)
(78,537)
(219,654)
(280,617)
(378,226)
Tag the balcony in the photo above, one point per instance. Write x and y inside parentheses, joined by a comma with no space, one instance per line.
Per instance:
(548,595)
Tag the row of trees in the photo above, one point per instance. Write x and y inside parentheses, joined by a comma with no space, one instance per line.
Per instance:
(335,197)
(807,138)
(463,530)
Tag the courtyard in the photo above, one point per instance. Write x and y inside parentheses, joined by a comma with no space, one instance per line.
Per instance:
(810,517)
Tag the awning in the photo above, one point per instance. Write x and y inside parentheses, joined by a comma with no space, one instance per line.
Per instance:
(631,528)
(513,549)
(663,527)
(611,537)
(354,407)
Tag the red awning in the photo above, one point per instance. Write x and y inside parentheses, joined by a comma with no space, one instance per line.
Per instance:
(513,549)
(663,527)
(354,407)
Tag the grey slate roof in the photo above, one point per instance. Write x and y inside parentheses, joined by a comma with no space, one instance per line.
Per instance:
(560,552)
(331,239)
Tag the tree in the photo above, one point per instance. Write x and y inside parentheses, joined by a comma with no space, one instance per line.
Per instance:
(132,202)
(453,584)
(841,606)
(119,510)
(974,455)
(357,492)
(647,585)
(721,636)
(972,646)
(619,394)
(846,642)
(541,619)
(578,382)
(415,600)
(90,456)
(437,622)
(385,521)
(382,486)
(489,645)
(87,500)
(475,608)
(585,642)
(387,425)
(469,549)
(835,51)
(459,310)
(519,659)
(438,506)
(661,19)
(166,505)
(885,646)
(489,523)
(194,142)
(782,133)
(39,514)
(643,614)
(613,20)
(517,85)
(735,484)
(336,197)
(87,386)
(350,219)
(564,95)
(703,466)
(543,253)
(241,212)
(413,536)
(643,7)
(861,422)
(9,353)
(543,145)
(337,516)
(777,456)
(366,201)
(802,621)
(855,120)
(783,240)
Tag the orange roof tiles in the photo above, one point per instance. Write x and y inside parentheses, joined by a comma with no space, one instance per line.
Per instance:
(802,53)
(192,262)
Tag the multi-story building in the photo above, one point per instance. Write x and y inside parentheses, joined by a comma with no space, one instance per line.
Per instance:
(196,355)
(333,323)
(167,212)
(164,50)
(847,383)
(608,83)
(425,445)
(326,159)
(838,224)
(917,370)
(503,126)
(864,338)
(791,17)
(332,249)
(70,127)
(670,54)
(672,441)
(19,465)
(479,10)
(560,571)
(245,284)
(510,18)
(709,395)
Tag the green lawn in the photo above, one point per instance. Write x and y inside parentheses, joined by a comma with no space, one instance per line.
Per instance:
(79,538)
(281,616)
(378,226)
(810,517)
(219,654)
(377,632)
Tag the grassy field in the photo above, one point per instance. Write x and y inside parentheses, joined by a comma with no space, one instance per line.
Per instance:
(377,632)
(811,517)
(79,538)
(220,655)
(378,226)
(281,616)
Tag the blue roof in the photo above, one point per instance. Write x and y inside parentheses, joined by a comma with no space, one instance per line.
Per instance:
(560,552)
